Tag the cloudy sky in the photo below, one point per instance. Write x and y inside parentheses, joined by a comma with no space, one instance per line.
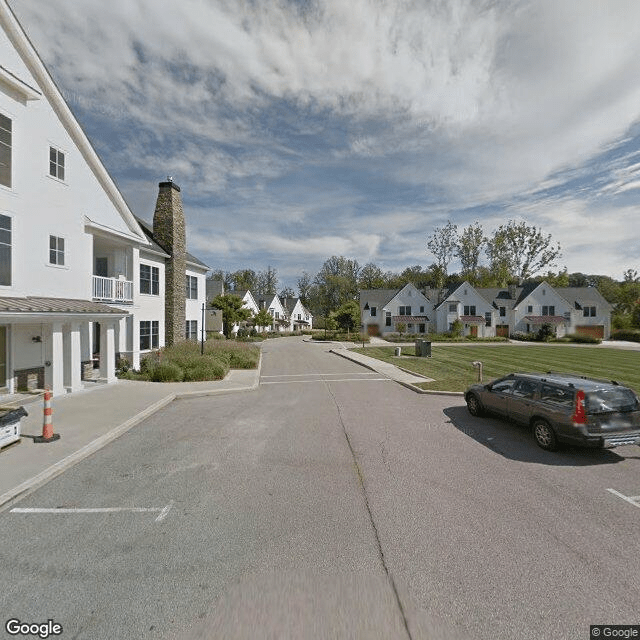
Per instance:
(301,129)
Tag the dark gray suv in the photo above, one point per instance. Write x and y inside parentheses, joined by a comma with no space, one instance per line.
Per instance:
(562,408)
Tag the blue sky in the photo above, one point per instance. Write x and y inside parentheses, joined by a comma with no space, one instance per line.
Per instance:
(301,130)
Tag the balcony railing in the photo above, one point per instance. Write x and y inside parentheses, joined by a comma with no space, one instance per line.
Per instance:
(112,290)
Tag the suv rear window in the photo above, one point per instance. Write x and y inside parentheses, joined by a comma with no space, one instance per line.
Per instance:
(557,395)
(608,400)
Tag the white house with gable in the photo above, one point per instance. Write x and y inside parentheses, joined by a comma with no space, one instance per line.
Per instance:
(384,310)
(464,304)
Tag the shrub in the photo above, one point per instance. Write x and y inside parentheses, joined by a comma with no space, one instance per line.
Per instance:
(457,328)
(207,368)
(582,339)
(632,335)
(545,333)
(166,372)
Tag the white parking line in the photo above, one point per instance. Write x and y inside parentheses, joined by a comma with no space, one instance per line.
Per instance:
(635,501)
(74,510)
(307,375)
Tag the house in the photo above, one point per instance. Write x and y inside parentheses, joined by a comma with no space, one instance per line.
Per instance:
(300,319)
(465,304)
(82,281)
(273,304)
(389,310)
(69,245)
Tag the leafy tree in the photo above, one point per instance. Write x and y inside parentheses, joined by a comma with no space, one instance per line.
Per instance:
(262,319)
(371,277)
(443,245)
(305,282)
(401,327)
(244,279)
(470,244)
(517,250)
(267,281)
(334,284)
(348,316)
(225,276)
(232,311)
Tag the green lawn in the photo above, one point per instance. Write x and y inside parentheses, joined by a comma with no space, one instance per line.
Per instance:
(451,369)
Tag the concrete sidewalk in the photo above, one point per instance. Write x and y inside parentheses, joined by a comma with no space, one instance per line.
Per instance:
(89,419)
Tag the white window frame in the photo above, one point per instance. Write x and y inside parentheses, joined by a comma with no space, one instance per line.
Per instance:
(191,330)
(57,168)
(8,145)
(10,245)
(151,334)
(57,253)
(191,286)
(152,269)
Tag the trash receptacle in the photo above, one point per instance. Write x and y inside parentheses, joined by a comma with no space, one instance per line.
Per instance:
(423,348)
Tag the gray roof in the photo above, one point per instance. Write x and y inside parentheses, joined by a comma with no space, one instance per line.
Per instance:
(583,296)
(148,230)
(32,304)
(377,297)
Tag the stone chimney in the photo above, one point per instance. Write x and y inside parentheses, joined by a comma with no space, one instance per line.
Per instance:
(512,290)
(169,233)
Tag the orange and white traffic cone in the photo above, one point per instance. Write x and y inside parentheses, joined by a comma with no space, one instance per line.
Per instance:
(47,424)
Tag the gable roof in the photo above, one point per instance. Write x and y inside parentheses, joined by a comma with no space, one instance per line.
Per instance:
(148,231)
(583,296)
(377,297)
(36,67)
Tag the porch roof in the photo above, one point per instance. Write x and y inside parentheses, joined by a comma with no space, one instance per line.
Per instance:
(418,319)
(545,319)
(473,319)
(57,306)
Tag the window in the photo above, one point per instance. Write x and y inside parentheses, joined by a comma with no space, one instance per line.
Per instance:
(530,309)
(404,311)
(487,318)
(503,312)
(192,287)
(503,386)
(525,388)
(421,309)
(589,312)
(149,334)
(469,310)
(548,311)
(387,320)
(149,280)
(56,250)
(5,250)
(453,307)
(374,311)
(56,163)
(192,330)
(5,151)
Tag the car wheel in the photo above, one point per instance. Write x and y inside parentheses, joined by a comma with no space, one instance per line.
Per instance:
(544,435)
(473,404)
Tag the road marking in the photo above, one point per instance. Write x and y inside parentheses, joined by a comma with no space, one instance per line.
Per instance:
(306,375)
(629,499)
(336,380)
(74,510)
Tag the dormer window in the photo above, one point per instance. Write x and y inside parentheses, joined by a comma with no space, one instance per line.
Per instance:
(56,163)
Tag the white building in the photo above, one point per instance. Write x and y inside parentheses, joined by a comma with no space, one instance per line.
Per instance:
(300,318)
(80,280)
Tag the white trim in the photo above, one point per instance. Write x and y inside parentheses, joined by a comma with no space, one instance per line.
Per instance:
(19,85)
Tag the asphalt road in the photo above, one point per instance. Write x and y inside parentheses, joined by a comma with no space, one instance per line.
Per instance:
(329,503)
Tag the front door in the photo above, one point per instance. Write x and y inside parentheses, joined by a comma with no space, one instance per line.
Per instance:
(473,330)
(502,330)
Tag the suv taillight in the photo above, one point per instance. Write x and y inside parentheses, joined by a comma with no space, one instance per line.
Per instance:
(579,414)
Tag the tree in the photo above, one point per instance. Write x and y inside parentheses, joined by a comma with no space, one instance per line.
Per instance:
(225,276)
(334,284)
(469,248)
(262,319)
(232,311)
(267,281)
(304,288)
(371,277)
(348,316)
(244,279)
(443,245)
(520,250)
(287,292)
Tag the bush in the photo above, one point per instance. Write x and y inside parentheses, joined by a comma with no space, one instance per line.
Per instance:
(523,337)
(207,368)
(545,333)
(166,372)
(632,335)
(582,339)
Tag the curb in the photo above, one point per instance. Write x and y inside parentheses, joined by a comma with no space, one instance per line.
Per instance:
(408,385)
(29,486)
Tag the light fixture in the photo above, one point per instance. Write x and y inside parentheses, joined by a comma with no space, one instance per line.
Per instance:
(36,339)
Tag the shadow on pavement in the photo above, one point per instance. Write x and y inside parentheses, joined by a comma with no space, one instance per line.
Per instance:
(514,441)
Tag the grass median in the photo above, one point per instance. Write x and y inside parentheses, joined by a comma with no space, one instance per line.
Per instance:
(450,365)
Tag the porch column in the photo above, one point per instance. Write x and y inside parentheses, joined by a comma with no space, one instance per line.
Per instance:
(72,357)
(54,364)
(107,351)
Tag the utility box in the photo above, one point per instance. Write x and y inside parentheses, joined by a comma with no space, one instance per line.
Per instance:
(423,348)
(10,425)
